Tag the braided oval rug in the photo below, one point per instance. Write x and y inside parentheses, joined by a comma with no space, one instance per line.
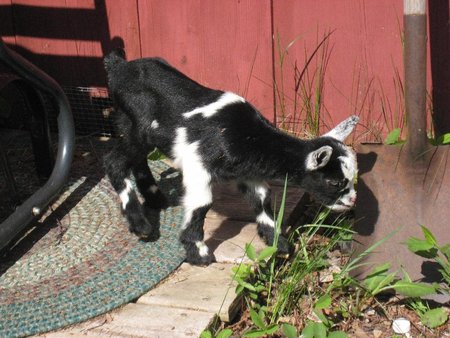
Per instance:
(83,261)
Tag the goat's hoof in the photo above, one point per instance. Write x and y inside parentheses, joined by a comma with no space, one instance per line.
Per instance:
(151,237)
(146,235)
(194,258)
(283,247)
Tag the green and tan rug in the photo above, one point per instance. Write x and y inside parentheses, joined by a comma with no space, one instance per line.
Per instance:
(80,261)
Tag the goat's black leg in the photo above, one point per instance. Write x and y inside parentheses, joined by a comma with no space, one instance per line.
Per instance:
(197,201)
(118,164)
(258,194)
(146,184)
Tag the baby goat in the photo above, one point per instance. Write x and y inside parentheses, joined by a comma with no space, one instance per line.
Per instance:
(212,136)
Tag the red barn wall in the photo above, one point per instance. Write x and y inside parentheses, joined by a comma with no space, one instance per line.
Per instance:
(229,44)
(223,44)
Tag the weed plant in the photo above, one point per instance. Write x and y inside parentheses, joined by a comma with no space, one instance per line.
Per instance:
(302,112)
(300,99)
(313,293)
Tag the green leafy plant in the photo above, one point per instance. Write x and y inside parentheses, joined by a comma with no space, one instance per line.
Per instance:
(434,317)
(441,140)
(431,318)
(289,330)
(156,155)
(263,328)
(393,138)
(428,247)
(225,333)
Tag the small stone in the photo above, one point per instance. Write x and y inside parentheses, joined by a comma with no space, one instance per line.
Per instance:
(370,312)
(328,275)
(402,326)
(377,333)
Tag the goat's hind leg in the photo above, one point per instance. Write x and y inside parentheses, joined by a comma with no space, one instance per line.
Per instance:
(197,201)
(118,164)
(258,194)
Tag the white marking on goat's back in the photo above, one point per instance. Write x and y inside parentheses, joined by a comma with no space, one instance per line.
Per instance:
(196,179)
(209,110)
(263,218)
(125,193)
(203,249)
(155,124)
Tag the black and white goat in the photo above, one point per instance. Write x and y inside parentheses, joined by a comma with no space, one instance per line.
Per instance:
(212,136)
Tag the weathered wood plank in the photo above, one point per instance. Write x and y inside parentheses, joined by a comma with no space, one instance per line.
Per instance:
(138,320)
(208,289)
(226,239)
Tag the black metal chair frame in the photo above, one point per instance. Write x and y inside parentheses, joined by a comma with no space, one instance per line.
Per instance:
(38,202)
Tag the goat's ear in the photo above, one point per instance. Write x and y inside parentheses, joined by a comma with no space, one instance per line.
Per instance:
(343,129)
(318,158)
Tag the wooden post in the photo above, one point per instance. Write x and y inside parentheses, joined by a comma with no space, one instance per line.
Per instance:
(415,24)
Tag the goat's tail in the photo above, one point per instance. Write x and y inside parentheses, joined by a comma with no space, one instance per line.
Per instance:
(114,59)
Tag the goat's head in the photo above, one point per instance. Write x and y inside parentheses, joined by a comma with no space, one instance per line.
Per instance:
(331,168)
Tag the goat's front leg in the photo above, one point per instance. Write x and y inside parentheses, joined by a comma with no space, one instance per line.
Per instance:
(197,201)
(258,194)
(117,166)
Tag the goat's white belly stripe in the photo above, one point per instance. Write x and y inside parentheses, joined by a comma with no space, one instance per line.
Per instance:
(212,108)
(125,193)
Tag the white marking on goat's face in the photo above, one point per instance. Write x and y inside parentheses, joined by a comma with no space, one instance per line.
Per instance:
(196,179)
(125,193)
(209,110)
(350,170)
(155,124)
(203,250)
(263,218)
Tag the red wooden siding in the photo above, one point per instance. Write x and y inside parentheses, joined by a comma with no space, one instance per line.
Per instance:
(222,44)
(365,51)
(229,44)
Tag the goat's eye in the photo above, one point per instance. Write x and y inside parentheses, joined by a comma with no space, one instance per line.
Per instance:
(337,184)
(333,183)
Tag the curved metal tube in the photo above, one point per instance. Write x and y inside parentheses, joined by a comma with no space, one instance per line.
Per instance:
(36,203)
